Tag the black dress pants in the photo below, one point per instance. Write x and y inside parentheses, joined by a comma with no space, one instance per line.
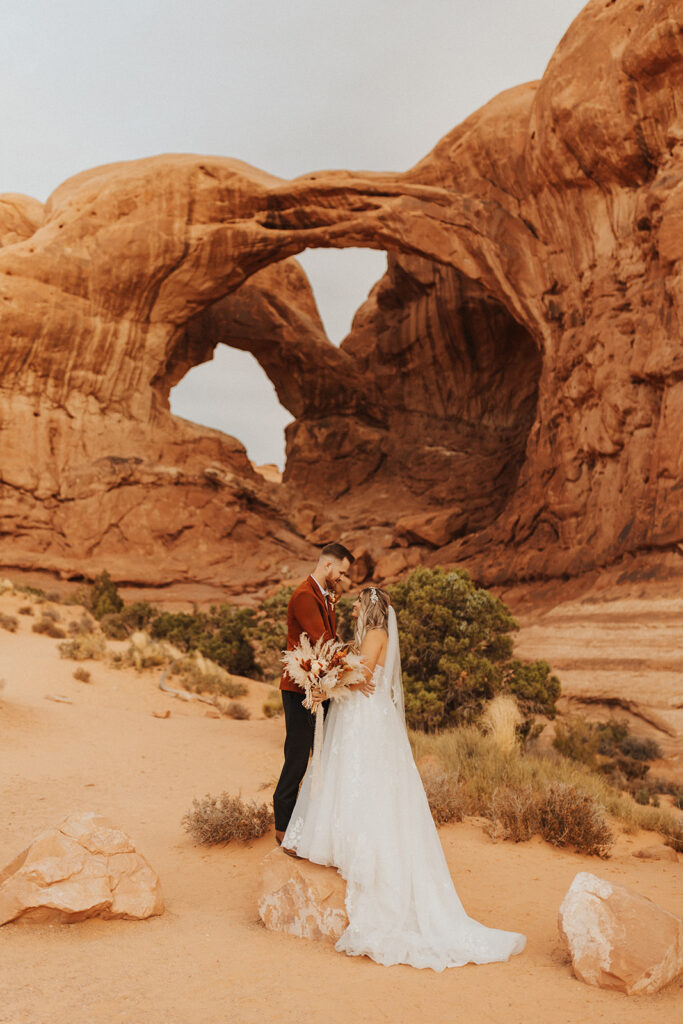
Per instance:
(300,728)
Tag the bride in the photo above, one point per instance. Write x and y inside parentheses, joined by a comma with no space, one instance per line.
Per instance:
(367,814)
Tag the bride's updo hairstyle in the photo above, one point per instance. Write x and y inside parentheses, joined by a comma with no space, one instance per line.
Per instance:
(373,613)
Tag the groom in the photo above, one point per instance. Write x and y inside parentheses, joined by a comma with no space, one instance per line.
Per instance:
(311,611)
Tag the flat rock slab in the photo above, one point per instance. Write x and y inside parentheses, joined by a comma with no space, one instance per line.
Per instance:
(619,939)
(301,898)
(83,868)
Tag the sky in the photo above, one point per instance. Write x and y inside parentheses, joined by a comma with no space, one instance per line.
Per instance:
(290,86)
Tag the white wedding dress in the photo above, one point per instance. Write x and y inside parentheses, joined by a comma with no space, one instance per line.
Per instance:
(367,814)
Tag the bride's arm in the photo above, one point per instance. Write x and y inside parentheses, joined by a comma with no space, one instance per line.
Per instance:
(370,650)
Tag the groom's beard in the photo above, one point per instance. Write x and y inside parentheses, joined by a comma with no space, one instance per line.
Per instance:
(330,585)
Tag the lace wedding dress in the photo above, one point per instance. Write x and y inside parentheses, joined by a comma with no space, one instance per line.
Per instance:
(367,814)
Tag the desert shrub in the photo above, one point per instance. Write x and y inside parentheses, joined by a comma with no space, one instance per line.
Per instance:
(26,609)
(222,635)
(272,707)
(640,748)
(237,710)
(83,648)
(221,819)
(82,675)
(79,627)
(268,632)
(482,768)
(25,588)
(532,684)
(47,627)
(131,619)
(143,652)
(346,625)
(570,818)
(609,747)
(456,651)
(52,614)
(9,622)
(101,597)
(201,675)
(445,797)
(578,740)
(513,813)
(678,800)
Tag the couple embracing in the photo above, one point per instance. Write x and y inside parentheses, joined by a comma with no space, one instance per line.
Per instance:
(369,816)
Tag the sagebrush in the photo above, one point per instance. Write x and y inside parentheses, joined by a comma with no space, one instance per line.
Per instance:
(225,818)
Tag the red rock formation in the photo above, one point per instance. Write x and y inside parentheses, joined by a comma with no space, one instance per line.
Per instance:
(510,395)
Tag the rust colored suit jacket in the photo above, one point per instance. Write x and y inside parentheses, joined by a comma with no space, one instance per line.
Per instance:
(307,612)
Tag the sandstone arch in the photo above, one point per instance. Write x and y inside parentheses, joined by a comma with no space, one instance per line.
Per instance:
(555,251)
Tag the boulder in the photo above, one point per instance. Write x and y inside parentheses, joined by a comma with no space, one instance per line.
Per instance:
(619,939)
(83,868)
(301,898)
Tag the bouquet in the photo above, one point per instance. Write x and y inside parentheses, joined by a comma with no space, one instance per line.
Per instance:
(324,671)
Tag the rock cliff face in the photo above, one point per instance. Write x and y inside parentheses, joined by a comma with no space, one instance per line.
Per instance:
(510,396)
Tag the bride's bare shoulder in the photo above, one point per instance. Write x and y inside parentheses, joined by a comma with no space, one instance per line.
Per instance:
(374,639)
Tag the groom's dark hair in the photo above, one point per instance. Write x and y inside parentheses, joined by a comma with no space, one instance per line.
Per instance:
(338,551)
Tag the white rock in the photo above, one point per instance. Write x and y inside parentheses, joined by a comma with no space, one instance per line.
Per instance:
(619,939)
(302,899)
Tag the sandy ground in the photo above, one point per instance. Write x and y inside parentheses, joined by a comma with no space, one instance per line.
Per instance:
(208,959)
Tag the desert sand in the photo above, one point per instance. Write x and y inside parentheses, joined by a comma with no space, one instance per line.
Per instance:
(208,958)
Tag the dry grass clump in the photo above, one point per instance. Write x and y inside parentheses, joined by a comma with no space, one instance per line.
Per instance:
(501,719)
(220,819)
(237,710)
(201,675)
(9,622)
(48,627)
(143,652)
(26,609)
(447,801)
(82,675)
(482,768)
(272,707)
(563,816)
(569,818)
(513,814)
(82,648)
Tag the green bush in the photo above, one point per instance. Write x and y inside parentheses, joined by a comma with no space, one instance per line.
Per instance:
(101,597)
(609,748)
(222,635)
(456,651)
(131,619)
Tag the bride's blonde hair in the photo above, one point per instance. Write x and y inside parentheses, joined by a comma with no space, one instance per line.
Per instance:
(373,614)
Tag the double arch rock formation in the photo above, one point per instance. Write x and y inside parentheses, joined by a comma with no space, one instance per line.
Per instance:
(510,395)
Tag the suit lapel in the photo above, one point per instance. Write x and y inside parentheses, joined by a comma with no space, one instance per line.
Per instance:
(327,613)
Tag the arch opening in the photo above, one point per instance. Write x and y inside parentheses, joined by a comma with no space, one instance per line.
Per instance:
(426,404)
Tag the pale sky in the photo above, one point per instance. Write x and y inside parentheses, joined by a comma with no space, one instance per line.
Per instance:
(287,85)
